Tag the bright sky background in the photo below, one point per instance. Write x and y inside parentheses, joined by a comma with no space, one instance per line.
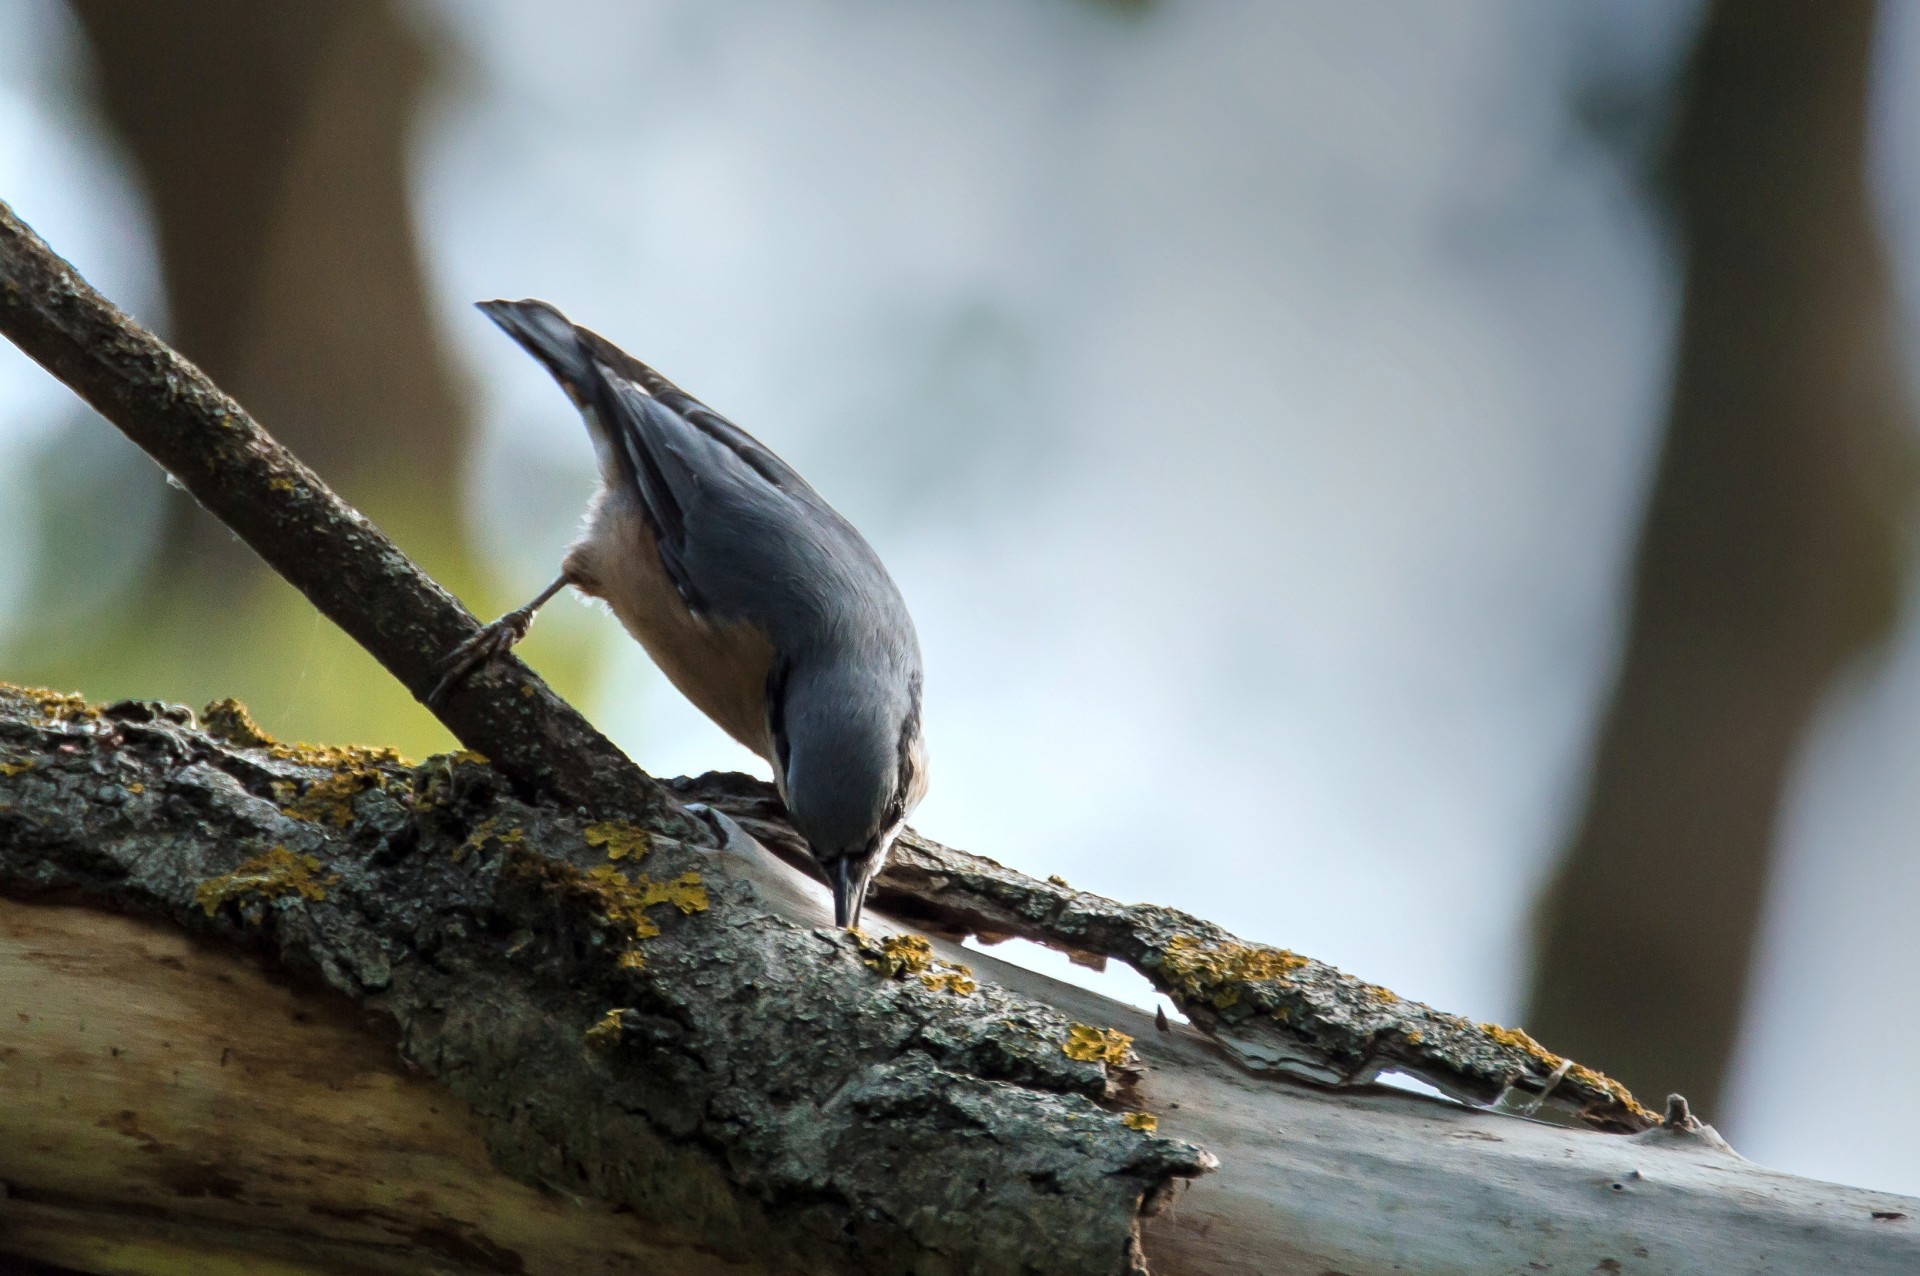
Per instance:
(1253,401)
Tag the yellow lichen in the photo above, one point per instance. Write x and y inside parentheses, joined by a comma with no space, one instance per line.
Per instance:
(605,1034)
(61,706)
(1385,996)
(1057,880)
(901,955)
(684,892)
(1145,1122)
(331,799)
(270,875)
(1515,1039)
(620,839)
(621,902)
(957,980)
(1577,1074)
(136,788)
(356,768)
(15,768)
(624,902)
(281,484)
(462,756)
(1216,973)
(1096,1045)
(488,830)
(229,720)
(338,757)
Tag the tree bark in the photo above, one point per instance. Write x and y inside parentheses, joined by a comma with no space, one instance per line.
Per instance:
(644,1014)
(1769,560)
(277,1008)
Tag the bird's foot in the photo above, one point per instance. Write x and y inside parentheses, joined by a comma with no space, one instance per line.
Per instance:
(493,641)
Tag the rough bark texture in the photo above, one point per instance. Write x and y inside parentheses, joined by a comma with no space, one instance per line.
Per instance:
(1770,556)
(1273,1010)
(748,1089)
(627,1018)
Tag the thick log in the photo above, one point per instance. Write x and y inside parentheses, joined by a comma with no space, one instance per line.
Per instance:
(627,1015)
(297,1010)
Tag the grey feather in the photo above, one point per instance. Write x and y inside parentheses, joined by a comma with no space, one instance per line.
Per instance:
(745,540)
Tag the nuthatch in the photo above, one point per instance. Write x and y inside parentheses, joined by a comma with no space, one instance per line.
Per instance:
(761,603)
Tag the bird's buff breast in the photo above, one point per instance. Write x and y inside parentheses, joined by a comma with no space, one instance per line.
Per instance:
(721,668)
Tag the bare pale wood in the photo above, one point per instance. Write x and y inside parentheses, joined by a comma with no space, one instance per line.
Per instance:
(164,1103)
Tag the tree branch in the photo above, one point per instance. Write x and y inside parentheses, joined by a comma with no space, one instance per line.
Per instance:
(1273,1010)
(345,566)
(639,1018)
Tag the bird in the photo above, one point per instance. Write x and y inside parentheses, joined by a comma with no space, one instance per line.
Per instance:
(757,600)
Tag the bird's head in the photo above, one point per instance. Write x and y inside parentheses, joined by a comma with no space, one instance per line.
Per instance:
(851,776)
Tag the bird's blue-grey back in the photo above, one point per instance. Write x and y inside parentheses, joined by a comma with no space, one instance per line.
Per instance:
(745,539)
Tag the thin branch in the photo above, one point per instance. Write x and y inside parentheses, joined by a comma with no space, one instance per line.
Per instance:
(325,548)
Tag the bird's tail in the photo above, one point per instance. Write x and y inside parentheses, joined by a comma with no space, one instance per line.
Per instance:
(550,337)
(576,357)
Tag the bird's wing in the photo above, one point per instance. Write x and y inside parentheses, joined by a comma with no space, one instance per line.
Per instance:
(735,525)
(622,366)
(740,534)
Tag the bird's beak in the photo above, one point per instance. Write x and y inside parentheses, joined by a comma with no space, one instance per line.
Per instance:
(849,893)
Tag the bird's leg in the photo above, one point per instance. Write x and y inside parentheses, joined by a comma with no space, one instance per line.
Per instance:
(496,639)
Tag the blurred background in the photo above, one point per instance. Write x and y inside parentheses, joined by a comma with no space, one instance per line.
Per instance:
(1424,485)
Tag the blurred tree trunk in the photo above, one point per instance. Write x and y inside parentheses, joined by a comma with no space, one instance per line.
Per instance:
(272,143)
(1768,560)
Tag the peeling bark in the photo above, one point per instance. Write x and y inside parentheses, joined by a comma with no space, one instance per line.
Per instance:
(1272,1009)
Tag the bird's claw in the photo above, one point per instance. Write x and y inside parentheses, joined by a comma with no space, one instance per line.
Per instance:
(493,641)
